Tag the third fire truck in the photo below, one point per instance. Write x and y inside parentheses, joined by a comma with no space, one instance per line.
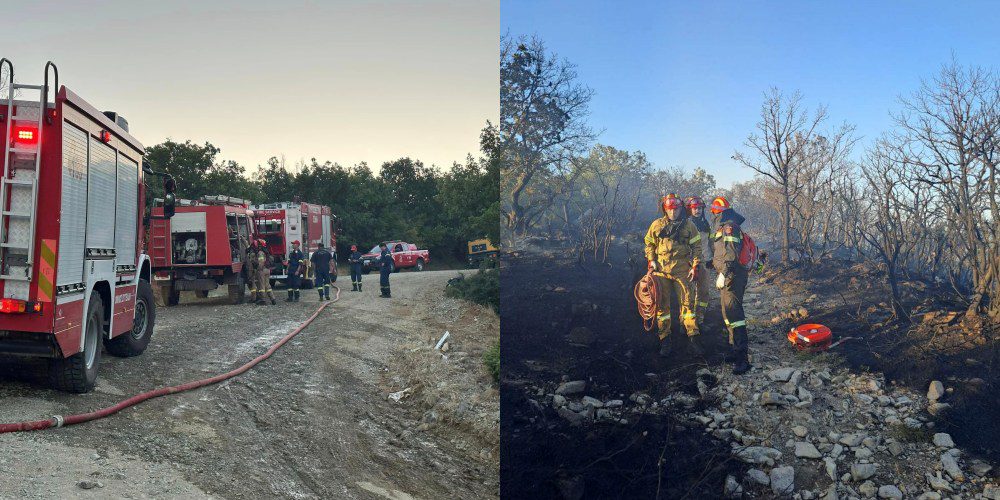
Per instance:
(73,274)
(279,224)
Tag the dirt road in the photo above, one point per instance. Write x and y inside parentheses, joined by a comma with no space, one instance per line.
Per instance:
(313,421)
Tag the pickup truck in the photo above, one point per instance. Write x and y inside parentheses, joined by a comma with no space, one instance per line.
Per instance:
(404,255)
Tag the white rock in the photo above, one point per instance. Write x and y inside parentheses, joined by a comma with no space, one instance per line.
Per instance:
(780,374)
(889,491)
(800,431)
(783,480)
(759,455)
(596,403)
(837,450)
(943,440)
(938,409)
(806,450)
(939,483)
(573,387)
(758,476)
(929,495)
(991,492)
(868,489)
(614,403)
(732,488)
(863,453)
(935,391)
(950,465)
(884,400)
(852,440)
(831,468)
(863,398)
(860,472)
(558,401)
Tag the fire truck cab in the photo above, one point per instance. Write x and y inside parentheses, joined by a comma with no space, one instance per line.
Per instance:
(202,247)
(73,274)
(279,224)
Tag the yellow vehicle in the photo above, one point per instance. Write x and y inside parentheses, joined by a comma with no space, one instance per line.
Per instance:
(482,250)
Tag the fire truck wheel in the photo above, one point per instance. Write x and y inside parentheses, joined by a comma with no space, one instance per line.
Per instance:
(78,373)
(203,294)
(133,343)
(420,265)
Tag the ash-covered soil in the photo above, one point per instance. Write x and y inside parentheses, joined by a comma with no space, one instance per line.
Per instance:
(313,421)
(593,413)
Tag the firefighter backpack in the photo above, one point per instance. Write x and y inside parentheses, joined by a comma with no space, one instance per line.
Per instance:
(751,257)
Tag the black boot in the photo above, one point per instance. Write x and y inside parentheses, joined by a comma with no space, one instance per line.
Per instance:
(291,296)
(320,294)
(694,344)
(273,302)
(296,295)
(359,286)
(742,364)
(666,348)
(354,287)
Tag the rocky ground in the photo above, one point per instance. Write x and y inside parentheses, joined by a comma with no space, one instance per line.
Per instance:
(313,421)
(798,425)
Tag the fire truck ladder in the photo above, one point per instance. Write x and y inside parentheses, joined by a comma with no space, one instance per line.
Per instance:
(19,184)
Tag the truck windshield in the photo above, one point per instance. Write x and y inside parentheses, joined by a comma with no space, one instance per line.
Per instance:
(375,250)
(269,226)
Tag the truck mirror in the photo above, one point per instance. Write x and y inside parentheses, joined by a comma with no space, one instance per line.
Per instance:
(169,200)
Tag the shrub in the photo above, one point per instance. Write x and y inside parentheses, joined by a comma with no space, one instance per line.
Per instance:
(491,358)
(483,288)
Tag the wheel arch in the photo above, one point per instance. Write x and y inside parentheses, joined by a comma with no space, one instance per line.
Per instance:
(100,289)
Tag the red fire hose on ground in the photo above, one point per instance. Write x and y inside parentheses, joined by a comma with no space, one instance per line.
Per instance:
(61,421)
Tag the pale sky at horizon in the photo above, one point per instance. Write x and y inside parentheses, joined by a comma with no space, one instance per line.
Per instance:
(339,81)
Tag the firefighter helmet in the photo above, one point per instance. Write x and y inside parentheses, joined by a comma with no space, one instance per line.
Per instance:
(694,202)
(296,242)
(261,242)
(719,205)
(354,248)
(670,202)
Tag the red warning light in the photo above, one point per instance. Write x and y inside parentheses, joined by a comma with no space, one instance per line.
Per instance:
(26,135)
(105,136)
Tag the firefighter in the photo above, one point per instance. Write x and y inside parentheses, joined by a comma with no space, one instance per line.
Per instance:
(264,263)
(672,250)
(355,261)
(321,260)
(732,279)
(385,269)
(696,213)
(250,269)
(294,269)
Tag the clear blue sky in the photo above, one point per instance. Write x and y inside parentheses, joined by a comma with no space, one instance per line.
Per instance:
(683,81)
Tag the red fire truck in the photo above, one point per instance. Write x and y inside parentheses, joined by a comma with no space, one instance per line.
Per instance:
(279,224)
(72,269)
(202,247)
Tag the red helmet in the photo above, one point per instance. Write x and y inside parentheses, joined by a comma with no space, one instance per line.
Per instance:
(296,242)
(670,202)
(719,205)
(694,202)
(261,242)
(354,248)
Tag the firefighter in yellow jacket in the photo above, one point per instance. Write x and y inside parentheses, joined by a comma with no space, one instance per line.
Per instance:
(673,249)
